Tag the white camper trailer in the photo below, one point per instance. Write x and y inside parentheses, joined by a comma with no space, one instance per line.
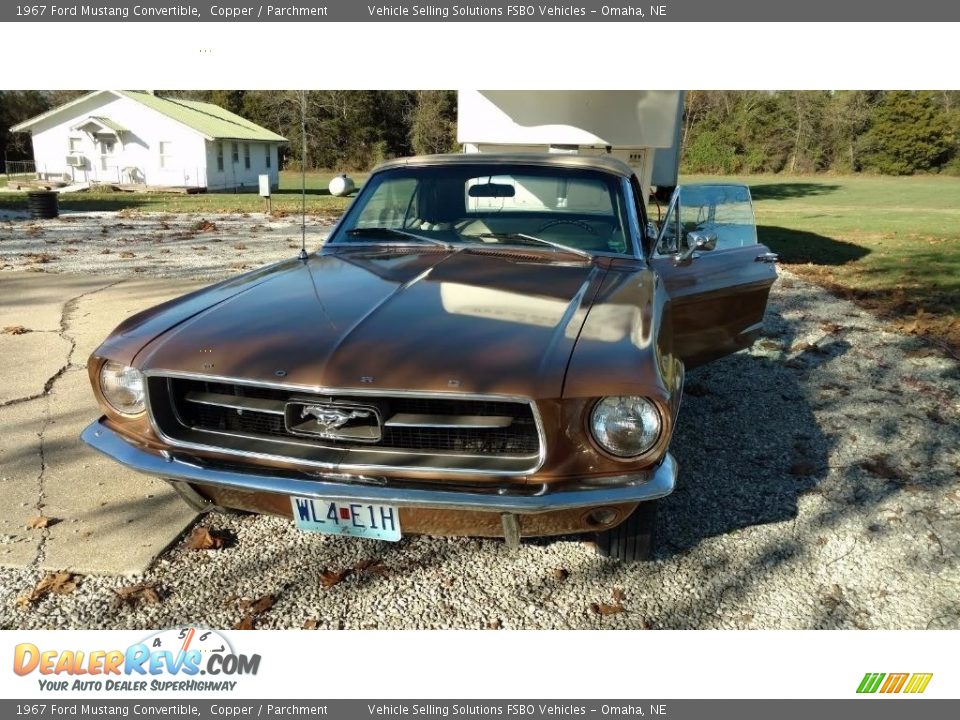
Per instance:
(635,126)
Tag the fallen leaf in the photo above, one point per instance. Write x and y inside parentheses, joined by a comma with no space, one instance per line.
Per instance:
(831,327)
(39,523)
(619,595)
(41,258)
(246,623)
(133,595)
(204,226)
(311,624)
(371,566)
(15,330)
(604,609)
(494,625)
(560,574)
(329,578)
(204,539)
(263,604)
(127,254)
(58,583)
(880,466)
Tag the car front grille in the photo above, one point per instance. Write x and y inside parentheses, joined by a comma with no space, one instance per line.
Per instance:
(455,433)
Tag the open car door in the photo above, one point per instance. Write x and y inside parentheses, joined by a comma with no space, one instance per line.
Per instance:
(716,274)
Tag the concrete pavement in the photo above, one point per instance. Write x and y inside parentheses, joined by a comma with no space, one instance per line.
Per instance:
(107,520)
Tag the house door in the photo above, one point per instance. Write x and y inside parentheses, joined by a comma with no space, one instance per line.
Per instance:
(106,161)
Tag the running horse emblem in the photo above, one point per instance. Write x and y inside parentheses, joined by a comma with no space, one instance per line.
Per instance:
(329,419)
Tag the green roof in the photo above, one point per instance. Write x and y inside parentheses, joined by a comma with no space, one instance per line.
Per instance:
(207,119)
(108,123)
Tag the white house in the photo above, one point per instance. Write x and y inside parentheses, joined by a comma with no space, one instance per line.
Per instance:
(129,137)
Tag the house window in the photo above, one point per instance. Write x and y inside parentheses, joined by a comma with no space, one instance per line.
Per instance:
(106,153)
(220,156)
(166,154)
(268,156)
(76,144)
(246,155)
(236,153)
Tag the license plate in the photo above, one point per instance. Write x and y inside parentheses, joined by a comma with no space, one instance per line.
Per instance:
(342,517)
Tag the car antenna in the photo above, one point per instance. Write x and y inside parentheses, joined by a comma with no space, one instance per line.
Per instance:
(303,175)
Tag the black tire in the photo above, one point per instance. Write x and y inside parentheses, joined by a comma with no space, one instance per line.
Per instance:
(633,539)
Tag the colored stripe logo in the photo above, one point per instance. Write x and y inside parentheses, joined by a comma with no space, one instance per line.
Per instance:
(913,683)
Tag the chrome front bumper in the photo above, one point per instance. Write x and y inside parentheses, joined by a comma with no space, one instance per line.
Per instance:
(179,469)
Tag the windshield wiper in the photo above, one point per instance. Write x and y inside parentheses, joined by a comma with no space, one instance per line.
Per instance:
(380,231)
(534,239)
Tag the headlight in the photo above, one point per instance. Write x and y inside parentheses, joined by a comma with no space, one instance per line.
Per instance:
(625,426)
(122,387)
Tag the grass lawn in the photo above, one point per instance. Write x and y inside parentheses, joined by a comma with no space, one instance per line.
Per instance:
(890,244)
(285,200)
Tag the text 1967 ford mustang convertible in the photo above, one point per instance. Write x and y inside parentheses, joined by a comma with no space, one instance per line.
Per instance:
(487,345)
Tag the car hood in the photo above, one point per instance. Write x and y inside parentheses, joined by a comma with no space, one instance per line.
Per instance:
(426,319)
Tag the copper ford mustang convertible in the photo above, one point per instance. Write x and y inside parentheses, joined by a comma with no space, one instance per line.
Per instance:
(487,345)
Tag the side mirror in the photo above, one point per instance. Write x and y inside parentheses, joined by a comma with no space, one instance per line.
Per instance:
(697,241)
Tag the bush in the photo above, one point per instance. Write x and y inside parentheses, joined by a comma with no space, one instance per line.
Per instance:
(711,151)
(908,134)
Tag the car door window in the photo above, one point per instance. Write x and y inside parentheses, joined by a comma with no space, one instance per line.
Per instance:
(722,210)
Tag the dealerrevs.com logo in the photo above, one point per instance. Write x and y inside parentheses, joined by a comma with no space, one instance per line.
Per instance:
(910,683)
(169,660)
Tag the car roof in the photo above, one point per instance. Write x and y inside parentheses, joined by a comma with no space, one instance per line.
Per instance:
(603,163)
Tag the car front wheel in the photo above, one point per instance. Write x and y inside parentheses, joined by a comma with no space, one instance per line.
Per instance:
(633,539)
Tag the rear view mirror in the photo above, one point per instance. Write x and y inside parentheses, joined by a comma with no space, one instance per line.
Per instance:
(492,190)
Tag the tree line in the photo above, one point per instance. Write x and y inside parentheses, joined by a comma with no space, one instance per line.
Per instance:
(895,132)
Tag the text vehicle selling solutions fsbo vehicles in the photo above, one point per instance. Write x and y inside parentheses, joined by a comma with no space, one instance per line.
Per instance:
(487,345)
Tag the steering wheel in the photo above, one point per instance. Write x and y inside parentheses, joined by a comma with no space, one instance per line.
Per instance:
(577,223)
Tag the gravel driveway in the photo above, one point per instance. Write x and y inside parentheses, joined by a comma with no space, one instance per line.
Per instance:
(818,489)
(130,243)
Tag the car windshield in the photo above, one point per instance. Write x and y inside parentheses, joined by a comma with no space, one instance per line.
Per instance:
(554,208)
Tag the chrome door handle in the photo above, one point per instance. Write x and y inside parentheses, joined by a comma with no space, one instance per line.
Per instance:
(767,258)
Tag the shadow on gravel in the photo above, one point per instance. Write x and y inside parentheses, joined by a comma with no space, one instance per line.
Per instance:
(747,443)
